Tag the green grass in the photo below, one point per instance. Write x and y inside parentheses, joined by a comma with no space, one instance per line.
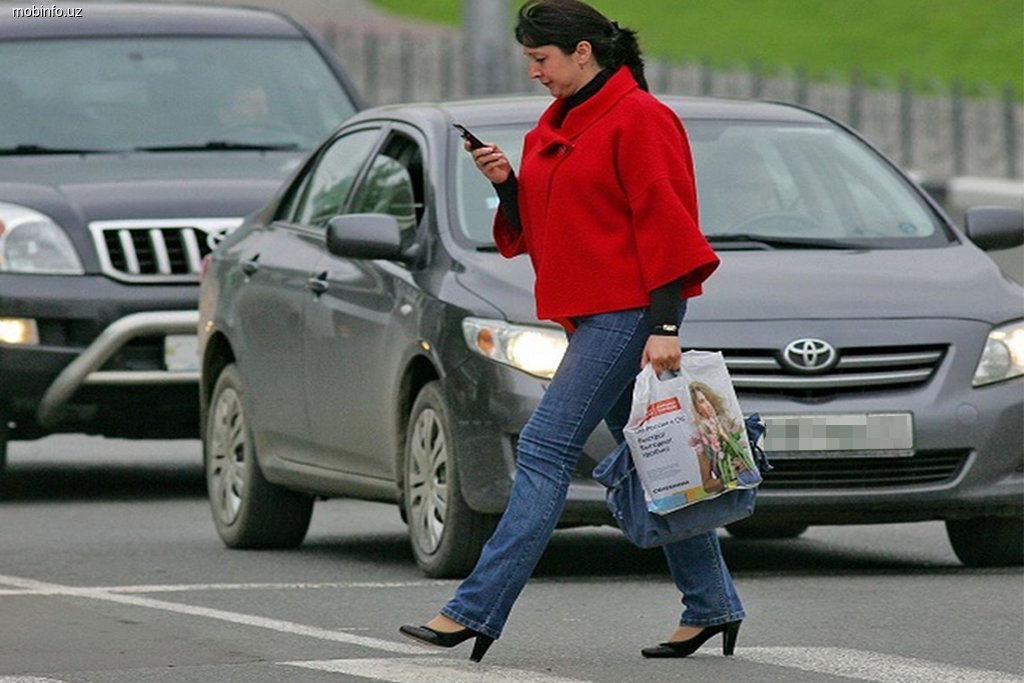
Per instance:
(935,41)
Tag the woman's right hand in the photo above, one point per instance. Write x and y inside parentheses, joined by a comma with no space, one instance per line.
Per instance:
(492,162)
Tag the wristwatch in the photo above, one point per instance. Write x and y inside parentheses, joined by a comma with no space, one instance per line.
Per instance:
(665,329)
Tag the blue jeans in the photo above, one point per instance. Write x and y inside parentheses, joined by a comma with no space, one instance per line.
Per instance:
(593,383)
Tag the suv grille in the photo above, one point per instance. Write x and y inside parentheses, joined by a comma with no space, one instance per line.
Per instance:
(760,371)
(924,467)
(157,250)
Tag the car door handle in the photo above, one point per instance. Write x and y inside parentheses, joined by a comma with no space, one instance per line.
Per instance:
(252,265)
(318,284)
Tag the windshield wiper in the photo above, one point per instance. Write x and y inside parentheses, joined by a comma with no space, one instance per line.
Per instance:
(221,145)
(754,241)
(29,150)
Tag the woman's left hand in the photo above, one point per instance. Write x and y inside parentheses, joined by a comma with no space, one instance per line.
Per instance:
(663,352)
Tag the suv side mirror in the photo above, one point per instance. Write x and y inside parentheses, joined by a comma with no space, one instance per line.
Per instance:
(365,236)
(994,227)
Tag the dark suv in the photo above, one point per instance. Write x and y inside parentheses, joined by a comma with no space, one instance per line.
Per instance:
(132,139)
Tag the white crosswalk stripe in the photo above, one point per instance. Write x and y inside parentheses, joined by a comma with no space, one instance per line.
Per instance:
(871,666)
(421,670)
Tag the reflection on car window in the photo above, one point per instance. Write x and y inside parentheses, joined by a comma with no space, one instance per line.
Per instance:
(799,181)
(121,93)
(394,185)
(333,176)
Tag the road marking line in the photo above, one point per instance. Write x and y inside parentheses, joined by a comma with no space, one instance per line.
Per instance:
(429,671)
(221,615)
(27,679)
(189,587)
(871,666)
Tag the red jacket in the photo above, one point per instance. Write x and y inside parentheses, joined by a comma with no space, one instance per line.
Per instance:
(608,205)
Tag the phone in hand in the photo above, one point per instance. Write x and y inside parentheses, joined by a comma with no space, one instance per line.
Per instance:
(474,141)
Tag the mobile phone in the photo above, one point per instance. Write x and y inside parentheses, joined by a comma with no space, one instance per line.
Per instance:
(474,141)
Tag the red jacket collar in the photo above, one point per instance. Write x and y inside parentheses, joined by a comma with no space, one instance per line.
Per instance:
(585,114)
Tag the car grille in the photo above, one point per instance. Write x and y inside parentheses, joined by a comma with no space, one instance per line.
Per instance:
(157,251)
(924,467)
(858,369)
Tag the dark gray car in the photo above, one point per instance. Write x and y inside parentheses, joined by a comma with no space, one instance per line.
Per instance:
(361,337)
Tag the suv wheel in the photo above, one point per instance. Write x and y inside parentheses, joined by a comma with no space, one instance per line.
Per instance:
(248,511)
(988,541)
(3,446)
(446,534)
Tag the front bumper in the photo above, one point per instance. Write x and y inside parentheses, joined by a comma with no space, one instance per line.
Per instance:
(99,364)
(978,436)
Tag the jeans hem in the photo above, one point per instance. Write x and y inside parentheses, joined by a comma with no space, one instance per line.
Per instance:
(470,623)
(714,621)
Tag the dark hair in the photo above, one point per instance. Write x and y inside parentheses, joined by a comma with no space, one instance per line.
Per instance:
(564,23)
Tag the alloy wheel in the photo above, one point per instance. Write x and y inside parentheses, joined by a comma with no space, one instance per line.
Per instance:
(428,480)
(228,456)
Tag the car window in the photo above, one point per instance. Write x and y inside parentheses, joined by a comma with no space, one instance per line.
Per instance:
(394,184)
(332,177)
(123,93)
(476,201)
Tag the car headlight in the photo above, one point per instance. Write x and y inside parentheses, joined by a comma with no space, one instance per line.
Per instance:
(1003,357)
(536,350)
(31,242)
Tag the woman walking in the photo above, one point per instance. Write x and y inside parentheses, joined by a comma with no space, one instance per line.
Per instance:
(605,206)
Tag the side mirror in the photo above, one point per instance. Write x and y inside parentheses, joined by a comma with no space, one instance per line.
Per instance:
(365,236)
(994,227)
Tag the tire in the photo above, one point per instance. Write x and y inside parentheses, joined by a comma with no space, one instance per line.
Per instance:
(3,447)
(988,541)
(248,511)
(753,529)
(445,533)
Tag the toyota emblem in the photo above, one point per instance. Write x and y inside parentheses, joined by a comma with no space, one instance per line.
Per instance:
(215,237)
(809,355)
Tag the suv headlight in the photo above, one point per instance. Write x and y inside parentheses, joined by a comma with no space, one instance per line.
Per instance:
(31,242)
(536,350)
(1003,357)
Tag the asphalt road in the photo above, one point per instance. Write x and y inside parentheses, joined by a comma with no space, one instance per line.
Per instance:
(110,572)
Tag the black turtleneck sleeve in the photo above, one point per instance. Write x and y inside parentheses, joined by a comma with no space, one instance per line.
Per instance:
(508,195)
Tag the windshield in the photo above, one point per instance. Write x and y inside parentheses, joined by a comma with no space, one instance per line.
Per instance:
(104,94)
(804,185)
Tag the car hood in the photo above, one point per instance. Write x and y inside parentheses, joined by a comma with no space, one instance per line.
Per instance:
(76,189)
(955,282)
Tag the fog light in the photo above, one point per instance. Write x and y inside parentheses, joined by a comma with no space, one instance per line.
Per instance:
(18,331)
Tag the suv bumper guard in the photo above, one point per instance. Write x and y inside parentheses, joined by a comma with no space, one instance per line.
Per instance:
(86,368)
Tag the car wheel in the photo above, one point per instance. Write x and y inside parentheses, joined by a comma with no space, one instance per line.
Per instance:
(3,446)
(988,541)
(248,511)
(755,529)
(445,533)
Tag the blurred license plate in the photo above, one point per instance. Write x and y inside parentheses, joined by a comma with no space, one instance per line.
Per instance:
(839,435)
(181,353)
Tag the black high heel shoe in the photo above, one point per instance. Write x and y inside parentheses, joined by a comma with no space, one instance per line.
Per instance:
(428,636)
(685,648)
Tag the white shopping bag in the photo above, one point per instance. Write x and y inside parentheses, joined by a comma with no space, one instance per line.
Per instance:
(686,434)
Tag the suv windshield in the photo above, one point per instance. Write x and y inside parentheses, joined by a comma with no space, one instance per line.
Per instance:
(105,94)
(804,185)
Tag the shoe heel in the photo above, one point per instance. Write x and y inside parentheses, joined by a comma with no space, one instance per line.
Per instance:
(480,646)
(729,636)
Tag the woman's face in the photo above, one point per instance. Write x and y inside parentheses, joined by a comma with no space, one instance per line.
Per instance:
(560,73)
(704,406)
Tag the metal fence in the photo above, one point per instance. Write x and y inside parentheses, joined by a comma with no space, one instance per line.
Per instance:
(949,133)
